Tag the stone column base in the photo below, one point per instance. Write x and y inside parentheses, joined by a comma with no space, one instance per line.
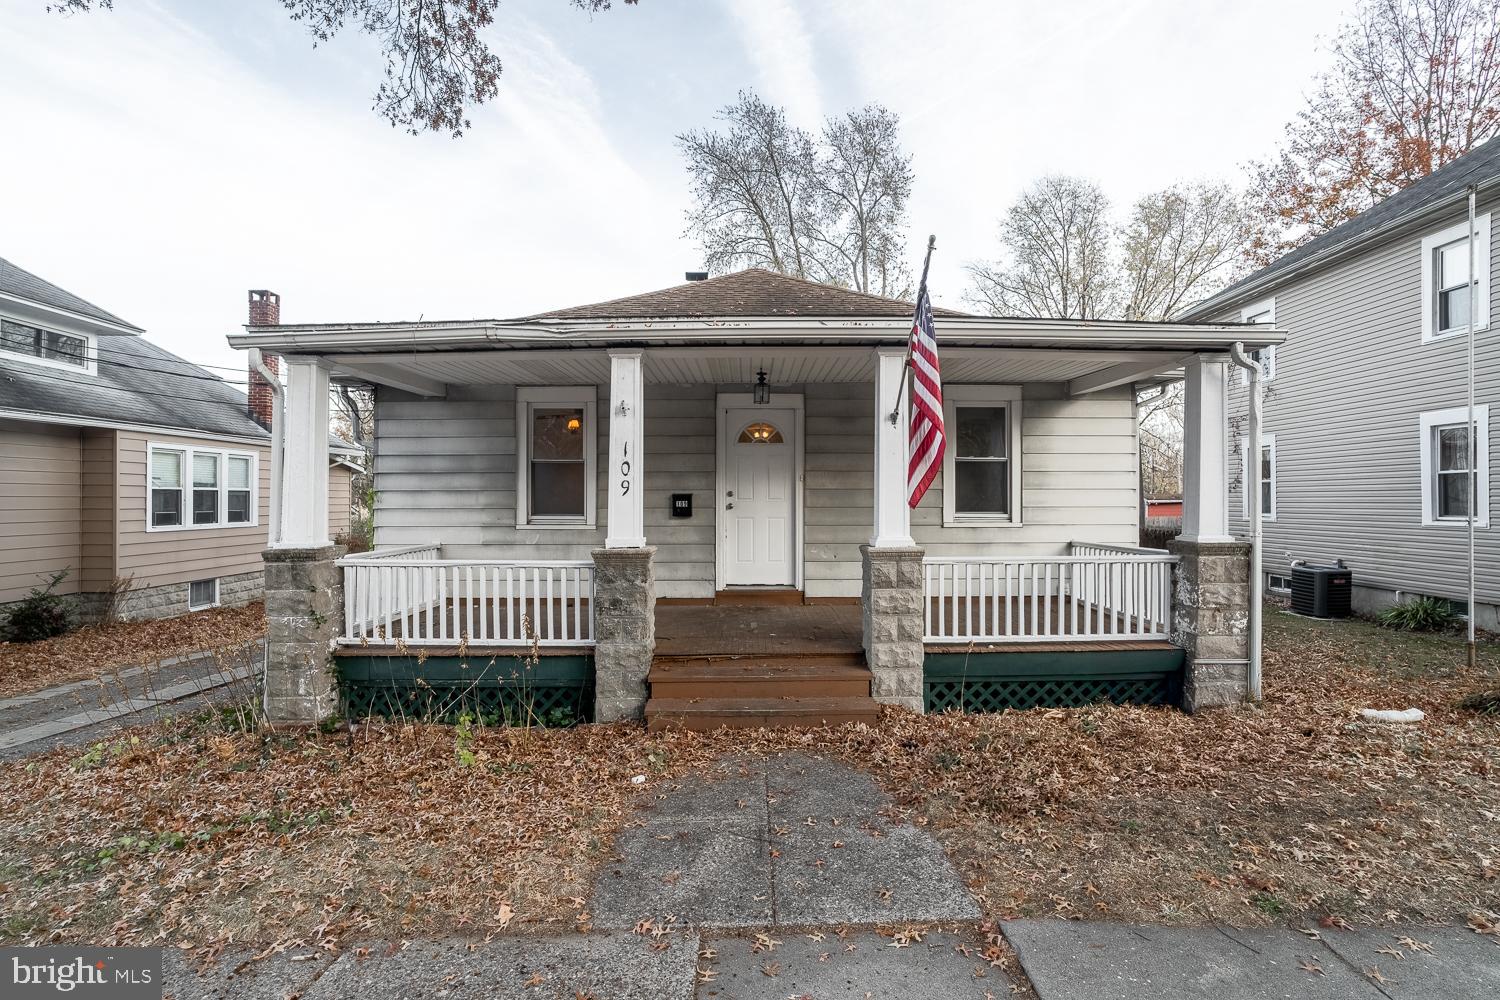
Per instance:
(304,608)
(624,631)
(892,599)
(1211,621)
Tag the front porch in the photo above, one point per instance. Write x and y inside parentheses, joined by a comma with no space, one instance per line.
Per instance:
(546,482)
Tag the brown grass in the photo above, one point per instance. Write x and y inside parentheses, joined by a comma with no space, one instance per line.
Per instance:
(193,834)
(98,650)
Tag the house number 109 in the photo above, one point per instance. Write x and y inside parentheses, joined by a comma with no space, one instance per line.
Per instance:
(625,469)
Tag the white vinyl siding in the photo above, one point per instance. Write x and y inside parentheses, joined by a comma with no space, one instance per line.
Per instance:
(445,471)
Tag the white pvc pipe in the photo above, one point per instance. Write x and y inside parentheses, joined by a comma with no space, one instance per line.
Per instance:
(1252,465)
(1471,430)
(278,425)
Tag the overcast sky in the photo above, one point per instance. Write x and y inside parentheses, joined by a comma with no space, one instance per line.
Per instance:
(166,157)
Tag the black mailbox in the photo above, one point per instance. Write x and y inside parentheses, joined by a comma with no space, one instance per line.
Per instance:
(682,505)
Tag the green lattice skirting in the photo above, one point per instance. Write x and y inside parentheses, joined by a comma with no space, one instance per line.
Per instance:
(558,690)
(991,682)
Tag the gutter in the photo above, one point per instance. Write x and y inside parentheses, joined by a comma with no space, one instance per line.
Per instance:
(1257,582)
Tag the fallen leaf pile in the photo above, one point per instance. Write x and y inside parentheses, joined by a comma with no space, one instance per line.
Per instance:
(194,834)
(97,650)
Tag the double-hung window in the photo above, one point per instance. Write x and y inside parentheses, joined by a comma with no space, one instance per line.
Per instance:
(46,347)
(195,487)
(982,459)
(1260,478)
(1447,295)
(556,446)
(1261,312)
(1449,477)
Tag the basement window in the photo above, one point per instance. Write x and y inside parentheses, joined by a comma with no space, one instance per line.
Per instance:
(203,594)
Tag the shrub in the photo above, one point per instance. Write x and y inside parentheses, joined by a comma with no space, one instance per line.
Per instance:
(1420,614)
(40,615)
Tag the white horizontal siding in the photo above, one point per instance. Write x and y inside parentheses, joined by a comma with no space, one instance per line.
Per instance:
(445,471)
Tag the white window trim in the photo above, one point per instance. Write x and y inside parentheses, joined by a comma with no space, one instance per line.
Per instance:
(90,350)
(187,452)
(211,604)
(528,397)
(1264,306)
(1273,588)
(1009,398)
(1441,418)
(1430,245)
(1246,477)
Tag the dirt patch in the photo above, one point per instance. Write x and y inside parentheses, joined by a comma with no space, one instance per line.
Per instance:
(190,834)
(97,650)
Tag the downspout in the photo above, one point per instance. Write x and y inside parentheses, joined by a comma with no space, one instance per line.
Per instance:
(278,423)
(1470,431)
(1252,463)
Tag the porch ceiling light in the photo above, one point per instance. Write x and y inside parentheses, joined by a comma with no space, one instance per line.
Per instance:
(762,390)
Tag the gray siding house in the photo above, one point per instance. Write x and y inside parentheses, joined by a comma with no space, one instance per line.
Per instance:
(1363,453)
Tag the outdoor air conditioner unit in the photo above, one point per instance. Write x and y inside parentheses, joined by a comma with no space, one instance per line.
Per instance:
(1322,591)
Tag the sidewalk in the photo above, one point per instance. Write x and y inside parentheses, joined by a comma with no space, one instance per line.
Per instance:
(80,710)
(794,877)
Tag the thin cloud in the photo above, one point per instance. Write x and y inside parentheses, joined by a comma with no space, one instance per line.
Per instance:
(780,47)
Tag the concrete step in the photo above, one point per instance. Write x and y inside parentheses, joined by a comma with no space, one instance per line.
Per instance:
(706,714)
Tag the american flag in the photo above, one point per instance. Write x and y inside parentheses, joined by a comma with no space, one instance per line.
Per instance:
(925,440)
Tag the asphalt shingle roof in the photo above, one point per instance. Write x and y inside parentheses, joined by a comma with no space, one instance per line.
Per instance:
(1442,185)
(752,292)
(23,284)
(137,383)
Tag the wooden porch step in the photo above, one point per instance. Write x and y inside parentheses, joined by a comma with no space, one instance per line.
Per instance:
(811,676)
(707,714)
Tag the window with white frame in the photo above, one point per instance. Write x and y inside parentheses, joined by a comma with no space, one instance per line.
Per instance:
(46,347)
(1278,583)
(1259,479)
(1446,288)
(1261,312)
(556,445)
(200,487)
(1449,477)
(203,594)
(982,459)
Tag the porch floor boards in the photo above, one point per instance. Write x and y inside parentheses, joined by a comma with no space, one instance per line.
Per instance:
(766,630)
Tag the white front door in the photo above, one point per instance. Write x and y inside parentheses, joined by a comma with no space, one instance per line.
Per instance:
(757,513)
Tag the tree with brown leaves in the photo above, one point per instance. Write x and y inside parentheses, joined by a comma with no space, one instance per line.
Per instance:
(1415,84)
(437,63)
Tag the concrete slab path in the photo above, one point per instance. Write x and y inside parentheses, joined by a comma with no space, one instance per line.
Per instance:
(1080,960)
(790,841)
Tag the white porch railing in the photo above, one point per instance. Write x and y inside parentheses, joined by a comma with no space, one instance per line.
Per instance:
(1096,593)
(411,597)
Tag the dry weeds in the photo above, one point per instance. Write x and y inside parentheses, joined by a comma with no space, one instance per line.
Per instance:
(191,834)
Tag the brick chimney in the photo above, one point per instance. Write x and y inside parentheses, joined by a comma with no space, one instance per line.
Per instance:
(265,310)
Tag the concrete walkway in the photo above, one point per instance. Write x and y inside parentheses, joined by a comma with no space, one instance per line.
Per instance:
(82,711)
(794,878)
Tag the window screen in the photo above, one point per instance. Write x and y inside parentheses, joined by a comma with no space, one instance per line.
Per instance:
(981,462)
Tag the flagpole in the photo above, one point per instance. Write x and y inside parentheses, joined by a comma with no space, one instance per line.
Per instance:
(906,365)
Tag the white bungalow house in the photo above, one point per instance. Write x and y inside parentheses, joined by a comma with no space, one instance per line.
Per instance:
(692,503)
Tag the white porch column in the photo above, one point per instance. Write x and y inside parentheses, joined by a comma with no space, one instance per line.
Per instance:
(627,500)
(1205,468)
(892,516)
(304,481)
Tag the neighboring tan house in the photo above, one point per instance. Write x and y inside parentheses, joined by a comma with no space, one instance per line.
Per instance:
(120,460)
(1364,449)
(695,502)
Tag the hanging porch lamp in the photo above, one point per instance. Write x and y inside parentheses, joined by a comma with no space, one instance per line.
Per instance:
(762,390)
